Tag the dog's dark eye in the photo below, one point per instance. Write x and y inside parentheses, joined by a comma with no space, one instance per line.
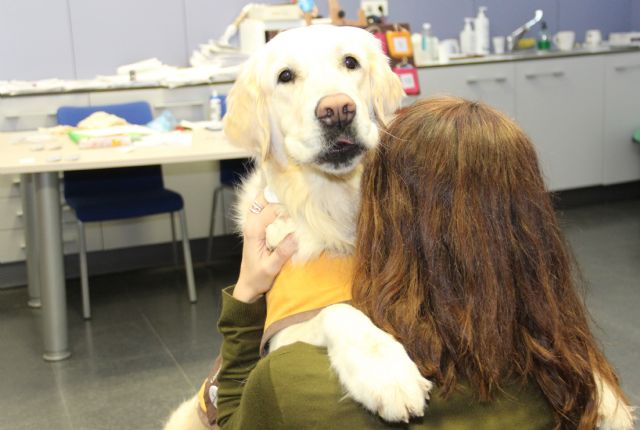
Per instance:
(285,76)
(351,63)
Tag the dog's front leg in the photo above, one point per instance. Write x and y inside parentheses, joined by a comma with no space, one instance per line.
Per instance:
(373,367)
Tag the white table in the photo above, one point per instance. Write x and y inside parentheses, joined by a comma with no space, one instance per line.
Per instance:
(39,163)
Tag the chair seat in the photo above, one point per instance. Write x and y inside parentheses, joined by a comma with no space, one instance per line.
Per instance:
(105,207)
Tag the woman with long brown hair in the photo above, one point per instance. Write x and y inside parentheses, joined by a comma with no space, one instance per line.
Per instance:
(459,256)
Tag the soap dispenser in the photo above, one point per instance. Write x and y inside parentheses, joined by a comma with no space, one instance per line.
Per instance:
(544,43)
(482,32)
(467,38)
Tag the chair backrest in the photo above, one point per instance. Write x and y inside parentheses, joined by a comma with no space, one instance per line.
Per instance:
(134,112)
(120,180)
(233,171)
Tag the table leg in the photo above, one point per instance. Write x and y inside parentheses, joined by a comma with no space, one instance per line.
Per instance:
(30,227)
(51,263)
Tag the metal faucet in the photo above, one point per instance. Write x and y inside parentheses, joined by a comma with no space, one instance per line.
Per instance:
(513,38)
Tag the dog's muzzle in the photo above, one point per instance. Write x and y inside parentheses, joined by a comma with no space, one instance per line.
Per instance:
(336,113)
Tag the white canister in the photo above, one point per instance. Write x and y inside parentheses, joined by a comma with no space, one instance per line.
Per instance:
(482,32)
(467,37)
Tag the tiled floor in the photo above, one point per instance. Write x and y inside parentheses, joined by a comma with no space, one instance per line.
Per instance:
(147,348)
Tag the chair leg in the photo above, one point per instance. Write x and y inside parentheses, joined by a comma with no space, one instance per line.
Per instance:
(212,220)
(84,276)
(224,214)
(174,243)
(188,266)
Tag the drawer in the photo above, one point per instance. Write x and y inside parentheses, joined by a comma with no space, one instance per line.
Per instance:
(9,186)
(191,103)
(12,242)
(12,246)
(11,213)
(31,112)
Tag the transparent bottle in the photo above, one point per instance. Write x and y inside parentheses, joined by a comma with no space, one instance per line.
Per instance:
(426,36)
(544,43)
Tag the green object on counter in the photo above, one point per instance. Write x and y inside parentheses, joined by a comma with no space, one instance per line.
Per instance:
(544,43)
(636,136)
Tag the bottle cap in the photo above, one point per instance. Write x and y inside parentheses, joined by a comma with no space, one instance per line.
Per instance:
(426,26)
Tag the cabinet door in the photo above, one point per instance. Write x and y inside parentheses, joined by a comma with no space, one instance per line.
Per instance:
(493,84)
(622,117)
(153,96)
(31,112)
(560,106)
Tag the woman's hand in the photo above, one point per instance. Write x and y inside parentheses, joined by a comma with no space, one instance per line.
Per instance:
(260,266)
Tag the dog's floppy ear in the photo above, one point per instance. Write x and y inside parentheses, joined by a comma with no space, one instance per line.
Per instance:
(246,123)
(386,87)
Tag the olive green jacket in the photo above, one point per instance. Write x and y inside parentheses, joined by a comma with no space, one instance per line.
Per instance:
(295,388)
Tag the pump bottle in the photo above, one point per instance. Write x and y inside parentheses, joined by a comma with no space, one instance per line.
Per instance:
(467,38)
(482,32)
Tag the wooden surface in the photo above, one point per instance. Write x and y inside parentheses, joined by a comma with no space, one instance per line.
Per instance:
(20,153)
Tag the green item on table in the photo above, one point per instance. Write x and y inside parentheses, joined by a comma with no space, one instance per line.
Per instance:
(78,135)
(636,136)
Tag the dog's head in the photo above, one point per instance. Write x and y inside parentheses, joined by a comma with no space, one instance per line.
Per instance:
(313,96)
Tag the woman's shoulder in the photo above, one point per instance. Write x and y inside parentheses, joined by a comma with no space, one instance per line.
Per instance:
(309,395)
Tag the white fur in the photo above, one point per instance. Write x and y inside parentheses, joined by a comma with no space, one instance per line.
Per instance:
(319,201)
(186,417)
(613,413)
(277,122)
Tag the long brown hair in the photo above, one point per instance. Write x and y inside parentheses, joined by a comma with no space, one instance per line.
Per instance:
(459,255)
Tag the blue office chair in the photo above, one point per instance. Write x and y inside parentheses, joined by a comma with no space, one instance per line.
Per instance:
(231,174)
(112,194)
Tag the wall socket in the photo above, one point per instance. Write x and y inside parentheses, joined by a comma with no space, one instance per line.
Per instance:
(375,7)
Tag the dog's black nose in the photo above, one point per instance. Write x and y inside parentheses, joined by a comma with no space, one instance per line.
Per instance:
(336,110)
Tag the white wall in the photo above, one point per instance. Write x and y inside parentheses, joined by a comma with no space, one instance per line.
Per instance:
(82,38)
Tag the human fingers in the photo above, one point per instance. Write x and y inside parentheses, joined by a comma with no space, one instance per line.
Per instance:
(261,214)
(281,254)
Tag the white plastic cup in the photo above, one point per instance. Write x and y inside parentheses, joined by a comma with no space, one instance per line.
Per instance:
(565,40)
(593,38)
(498,44)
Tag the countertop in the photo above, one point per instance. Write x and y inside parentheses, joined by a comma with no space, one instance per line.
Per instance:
(529,54)
(525,55)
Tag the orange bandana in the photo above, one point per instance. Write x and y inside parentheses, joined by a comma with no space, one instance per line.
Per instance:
(315,284)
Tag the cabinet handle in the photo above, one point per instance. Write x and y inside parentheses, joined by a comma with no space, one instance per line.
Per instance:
(629,67)
(474,80)
(555,74)
(178,104)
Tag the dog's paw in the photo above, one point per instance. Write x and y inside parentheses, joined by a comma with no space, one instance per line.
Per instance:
(278,230)
(613,413)
(373,367)
(382,377)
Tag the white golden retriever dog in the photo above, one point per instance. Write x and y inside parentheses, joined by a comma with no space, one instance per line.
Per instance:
(308,107)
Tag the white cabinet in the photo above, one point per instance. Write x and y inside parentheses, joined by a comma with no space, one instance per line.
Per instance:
(493,84)
(622,117)
(31,112)
(560,106)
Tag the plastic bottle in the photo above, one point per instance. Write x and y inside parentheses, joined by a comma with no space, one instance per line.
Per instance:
(482,32)
(428,43)
(467,37)
(426,35)
(215,107)
(544,43)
